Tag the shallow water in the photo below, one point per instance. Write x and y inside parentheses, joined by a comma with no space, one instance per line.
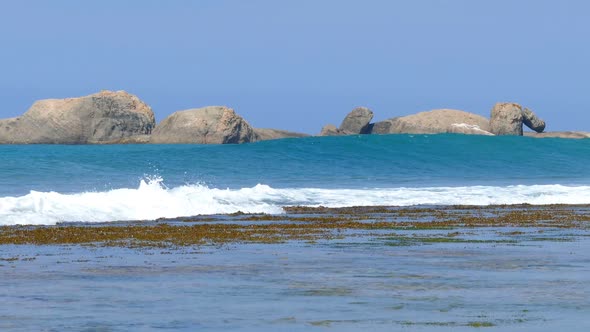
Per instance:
(539,281)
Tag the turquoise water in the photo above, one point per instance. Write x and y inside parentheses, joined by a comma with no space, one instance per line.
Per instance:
(52,183)
(538,280)
(325,162)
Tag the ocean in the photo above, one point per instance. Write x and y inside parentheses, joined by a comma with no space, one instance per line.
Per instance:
(355,233)
(48,184)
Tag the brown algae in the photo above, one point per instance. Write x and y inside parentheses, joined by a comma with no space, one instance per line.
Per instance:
(311,224)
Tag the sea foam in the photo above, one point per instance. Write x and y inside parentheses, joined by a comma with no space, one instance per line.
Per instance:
(152,200)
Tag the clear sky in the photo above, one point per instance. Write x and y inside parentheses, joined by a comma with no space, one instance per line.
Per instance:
(299,64)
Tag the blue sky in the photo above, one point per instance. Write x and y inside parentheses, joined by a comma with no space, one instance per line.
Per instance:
(300,64)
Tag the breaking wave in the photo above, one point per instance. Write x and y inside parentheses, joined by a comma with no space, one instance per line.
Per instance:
(152,200)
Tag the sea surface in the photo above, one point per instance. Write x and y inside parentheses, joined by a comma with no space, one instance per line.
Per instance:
(47,184)
(496,278)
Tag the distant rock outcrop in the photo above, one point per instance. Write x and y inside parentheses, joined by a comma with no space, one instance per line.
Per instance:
(559,134)
(118,117)
(207,125)
(434,122)
(264,134)
(508,118)
(383,127)
(356,122)
(98,118)
(532,121)
(330,130)
(8,129)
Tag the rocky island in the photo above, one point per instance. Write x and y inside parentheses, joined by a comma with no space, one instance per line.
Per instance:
(105,117)
(110,117)
(506,119)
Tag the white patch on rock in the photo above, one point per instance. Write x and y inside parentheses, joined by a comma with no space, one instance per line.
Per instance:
(464,128)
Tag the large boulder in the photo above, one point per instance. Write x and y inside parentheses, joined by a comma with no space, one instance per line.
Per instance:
(435,122)
(356,122)
(102,117)
(508,118)
(264,134)
(383,127)
(207,125)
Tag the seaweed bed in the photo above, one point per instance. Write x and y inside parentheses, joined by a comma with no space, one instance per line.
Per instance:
(402,225)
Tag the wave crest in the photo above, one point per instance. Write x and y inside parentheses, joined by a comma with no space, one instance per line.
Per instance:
(152,200)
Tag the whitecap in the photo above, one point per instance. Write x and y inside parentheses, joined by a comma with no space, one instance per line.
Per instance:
(152,200)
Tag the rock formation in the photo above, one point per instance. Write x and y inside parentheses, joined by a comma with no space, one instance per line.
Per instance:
(383,127)
(330,130)
(98,118)
(207,125)
(8,129)
(264,134)
(559,134)
(508,118)
(121,118)
(434,122)
(531,120)
(356,122)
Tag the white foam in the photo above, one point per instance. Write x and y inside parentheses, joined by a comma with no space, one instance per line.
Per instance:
(152,200)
